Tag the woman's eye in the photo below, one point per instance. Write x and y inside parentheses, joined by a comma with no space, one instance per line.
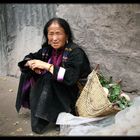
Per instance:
(50,33)
(57,33)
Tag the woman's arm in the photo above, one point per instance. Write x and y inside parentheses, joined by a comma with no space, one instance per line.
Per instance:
(39,66)
(23,65)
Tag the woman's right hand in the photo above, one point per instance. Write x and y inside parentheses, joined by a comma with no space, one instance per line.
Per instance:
(30,63)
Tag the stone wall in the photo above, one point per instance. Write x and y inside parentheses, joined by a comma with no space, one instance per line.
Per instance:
(109,34)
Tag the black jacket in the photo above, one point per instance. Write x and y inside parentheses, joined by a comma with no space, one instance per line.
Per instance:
(48,96)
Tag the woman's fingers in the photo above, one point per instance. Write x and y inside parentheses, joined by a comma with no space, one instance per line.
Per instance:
(36,64)
(33,66)
(29,63)
(38,71)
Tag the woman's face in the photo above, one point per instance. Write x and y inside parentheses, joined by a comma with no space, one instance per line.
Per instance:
(56,36)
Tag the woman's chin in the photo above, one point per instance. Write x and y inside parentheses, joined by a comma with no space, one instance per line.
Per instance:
(56,46)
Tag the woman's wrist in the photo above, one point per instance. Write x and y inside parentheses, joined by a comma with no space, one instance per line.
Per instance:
(50,65)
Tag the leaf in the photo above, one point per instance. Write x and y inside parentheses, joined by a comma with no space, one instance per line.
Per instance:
(104,82)
(122,106)
(114,92)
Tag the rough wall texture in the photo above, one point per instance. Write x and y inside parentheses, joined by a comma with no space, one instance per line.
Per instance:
(109,33)
(3,42)
(21,32)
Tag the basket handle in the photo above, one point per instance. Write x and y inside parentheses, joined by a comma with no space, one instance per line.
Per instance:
(97,67)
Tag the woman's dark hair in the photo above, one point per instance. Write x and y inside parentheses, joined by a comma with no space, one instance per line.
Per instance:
(63,23)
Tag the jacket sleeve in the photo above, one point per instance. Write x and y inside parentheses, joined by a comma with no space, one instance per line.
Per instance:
(76,66)
(21,64)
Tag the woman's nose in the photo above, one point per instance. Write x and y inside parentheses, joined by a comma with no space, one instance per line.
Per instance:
(54,37)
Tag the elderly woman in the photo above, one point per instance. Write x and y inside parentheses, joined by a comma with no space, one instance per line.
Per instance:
(49,77)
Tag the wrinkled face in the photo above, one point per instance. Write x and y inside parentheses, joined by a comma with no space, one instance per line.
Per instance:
(56,36)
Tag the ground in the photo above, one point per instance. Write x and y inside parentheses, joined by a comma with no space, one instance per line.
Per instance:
(12,123)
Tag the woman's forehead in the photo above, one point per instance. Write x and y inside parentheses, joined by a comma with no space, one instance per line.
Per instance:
(55,26)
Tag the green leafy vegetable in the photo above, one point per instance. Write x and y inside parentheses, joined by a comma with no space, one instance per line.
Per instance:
(115,92)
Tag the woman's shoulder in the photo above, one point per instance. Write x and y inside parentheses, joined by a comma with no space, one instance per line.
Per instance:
(45,47)
(78,48)
(75,46)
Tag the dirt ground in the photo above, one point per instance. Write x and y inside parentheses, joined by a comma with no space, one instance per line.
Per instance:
(12,123)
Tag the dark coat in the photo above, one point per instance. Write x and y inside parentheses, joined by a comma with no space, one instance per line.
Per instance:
(47,96)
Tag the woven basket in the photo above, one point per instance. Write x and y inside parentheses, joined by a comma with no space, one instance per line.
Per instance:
(93,101)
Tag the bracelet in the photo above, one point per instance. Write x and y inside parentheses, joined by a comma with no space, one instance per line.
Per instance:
(50,67)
